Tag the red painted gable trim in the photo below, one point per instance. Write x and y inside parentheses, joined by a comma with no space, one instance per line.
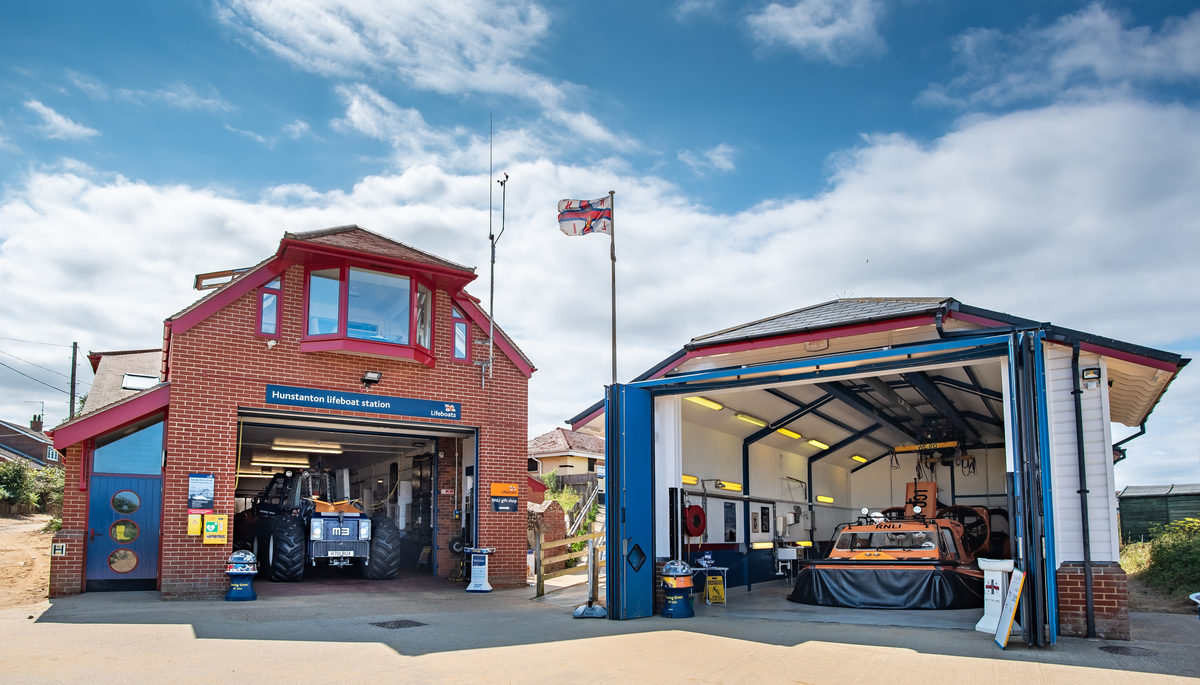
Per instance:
(112,418)
(475,314)
(222,298)
(443,275)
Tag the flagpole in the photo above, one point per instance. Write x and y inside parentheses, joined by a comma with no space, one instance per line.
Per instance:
(612,234)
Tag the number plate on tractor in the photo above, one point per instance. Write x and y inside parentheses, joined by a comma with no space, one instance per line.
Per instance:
(340,553)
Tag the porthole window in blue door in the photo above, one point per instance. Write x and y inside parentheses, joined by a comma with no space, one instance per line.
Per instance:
(126,502)
(124,531)
(122,561)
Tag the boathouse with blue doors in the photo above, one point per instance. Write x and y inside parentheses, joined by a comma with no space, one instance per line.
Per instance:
(769,435)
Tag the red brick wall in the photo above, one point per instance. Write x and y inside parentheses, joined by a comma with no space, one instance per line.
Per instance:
(220,364)
(1110,600)
(66,572)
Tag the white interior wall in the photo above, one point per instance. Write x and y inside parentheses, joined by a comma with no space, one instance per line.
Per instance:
(1097,435)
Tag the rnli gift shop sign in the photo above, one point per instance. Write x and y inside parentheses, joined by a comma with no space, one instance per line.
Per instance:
(357,401)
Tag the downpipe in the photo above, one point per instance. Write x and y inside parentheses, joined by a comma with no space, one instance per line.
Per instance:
(1077,392)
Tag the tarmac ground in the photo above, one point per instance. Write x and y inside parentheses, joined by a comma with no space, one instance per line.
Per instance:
(424,629)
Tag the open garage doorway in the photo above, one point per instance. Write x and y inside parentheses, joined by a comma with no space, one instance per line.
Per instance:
(372,500)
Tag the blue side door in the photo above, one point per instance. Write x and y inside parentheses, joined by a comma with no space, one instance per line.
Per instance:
(123,532)
(629,488)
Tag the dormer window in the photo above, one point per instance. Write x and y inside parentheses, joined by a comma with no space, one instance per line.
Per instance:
(387,312)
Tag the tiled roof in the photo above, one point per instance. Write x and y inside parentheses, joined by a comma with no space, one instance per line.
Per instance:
(563,441)
(851,310)
(1161,490)
(361,240)
(25,430)
(110,374)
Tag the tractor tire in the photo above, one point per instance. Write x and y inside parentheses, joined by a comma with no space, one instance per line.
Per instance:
(285,549)
(384,562)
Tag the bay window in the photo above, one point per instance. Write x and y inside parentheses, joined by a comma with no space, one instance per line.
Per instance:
(362,310)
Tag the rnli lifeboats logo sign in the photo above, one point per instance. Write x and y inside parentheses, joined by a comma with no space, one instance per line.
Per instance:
(357,401)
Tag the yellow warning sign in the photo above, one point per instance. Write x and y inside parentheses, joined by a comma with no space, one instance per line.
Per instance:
(714,588)
(215,528)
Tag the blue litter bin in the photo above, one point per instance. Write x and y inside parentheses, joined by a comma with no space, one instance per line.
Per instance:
(241,569)
(677,587)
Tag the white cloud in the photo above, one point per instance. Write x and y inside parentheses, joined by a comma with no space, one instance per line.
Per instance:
(1022,213)
(687,8)
(256,137)
(177,95)
(445,47)
(718,158)
(56,126)
(297,129)
(1091,51)
(832,30)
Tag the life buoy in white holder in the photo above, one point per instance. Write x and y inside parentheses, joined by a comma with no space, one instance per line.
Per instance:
(695,522)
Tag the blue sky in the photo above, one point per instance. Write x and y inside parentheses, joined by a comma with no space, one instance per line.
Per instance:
(1031,157)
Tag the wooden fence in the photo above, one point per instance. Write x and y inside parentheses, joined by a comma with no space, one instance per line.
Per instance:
(540,559)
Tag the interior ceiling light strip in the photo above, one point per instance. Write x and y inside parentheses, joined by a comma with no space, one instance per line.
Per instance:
(818,444)
(824,499)
(761,545)
(749,418)
(293,442)
(705,402)
(859,459)
(690,480)
(311,450)
(728,485)
(790,433)
(280,459)
(276,465)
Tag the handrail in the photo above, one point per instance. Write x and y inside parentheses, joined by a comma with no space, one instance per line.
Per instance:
(584,509)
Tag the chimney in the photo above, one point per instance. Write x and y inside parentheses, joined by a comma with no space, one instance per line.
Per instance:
(36,423)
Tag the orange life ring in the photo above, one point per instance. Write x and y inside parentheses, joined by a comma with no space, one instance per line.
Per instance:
(694,520)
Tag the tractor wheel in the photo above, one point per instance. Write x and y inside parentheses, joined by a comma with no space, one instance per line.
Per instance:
(384,562)
(285,549)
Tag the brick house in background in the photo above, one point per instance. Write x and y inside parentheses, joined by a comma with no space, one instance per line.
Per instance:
(28,444)
(343,350)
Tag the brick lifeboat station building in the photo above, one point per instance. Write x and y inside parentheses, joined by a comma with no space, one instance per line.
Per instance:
(344,351)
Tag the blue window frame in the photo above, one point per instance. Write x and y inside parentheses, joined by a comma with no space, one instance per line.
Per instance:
(135,449)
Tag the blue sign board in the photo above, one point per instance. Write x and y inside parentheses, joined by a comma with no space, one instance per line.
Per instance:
(358,401)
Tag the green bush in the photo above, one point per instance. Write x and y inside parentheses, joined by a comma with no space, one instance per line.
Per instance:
(17,483)
(53,525)
(1174,561)
(21,484)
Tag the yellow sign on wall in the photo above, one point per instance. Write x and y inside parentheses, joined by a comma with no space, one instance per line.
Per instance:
(216,528)
(195,524)
(504,489)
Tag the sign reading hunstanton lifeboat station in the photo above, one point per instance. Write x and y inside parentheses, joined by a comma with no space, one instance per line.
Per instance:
(357,401)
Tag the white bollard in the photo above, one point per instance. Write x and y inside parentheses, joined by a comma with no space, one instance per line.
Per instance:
(995,587)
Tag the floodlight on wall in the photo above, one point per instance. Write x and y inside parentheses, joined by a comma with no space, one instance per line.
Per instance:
(859,459)
(818,444)
(761,545)
(788,432)
(689,480)
(750,418)
(705,402)
(728,485)
(370,378)
(824,499)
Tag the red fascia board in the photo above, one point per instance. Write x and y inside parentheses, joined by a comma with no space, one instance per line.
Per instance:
(368,347)
(228,295)
(467,306)
(1101,350)
(112,418)
(779,341)
(820,334)
(451,280)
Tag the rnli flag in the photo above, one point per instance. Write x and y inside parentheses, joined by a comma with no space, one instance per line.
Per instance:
(581,217)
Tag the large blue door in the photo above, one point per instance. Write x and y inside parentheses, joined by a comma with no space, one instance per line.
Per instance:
(125,508)
(123,532)
(629,486)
